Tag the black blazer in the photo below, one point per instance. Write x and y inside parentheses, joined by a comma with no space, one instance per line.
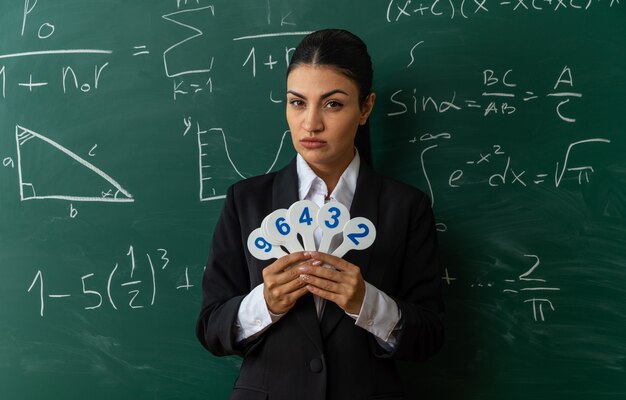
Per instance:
(300,357)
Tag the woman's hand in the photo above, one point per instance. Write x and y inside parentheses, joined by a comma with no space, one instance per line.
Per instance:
(282,287)
(343,285)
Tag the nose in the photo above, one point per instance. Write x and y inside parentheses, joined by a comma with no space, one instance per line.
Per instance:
(313,121)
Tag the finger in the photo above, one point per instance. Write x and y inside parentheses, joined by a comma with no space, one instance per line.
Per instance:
(350,275)
(293,286)
(349,299)
(282,277)
(285,303)
(278,290)
(320,271)
(339,263)
(324,294)
(321,283)
(295,295)
(285,261)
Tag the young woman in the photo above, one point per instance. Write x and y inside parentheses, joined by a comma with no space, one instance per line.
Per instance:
(306,331)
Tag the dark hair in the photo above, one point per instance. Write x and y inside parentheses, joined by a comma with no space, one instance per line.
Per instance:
(340,49)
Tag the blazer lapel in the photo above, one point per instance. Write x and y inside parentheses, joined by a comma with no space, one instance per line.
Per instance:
(285,187)
(284,194)
(364,204)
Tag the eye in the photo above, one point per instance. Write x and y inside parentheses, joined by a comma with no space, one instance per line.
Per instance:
(333,104)
(296,103)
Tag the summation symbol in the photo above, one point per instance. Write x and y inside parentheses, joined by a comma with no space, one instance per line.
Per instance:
(172,17)
(29,143)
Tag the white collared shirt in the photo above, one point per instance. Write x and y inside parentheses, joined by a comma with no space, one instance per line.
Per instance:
(379,313)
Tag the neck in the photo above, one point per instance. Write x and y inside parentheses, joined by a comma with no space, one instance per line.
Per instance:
(331,172)
(330,176)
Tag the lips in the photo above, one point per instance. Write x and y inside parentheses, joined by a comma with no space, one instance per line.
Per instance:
(312,143)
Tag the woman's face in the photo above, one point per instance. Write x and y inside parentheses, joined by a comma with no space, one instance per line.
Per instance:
(323,114)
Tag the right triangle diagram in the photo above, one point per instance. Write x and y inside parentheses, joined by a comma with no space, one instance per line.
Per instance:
(48,170)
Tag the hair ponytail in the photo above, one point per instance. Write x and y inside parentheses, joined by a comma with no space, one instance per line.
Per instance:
(363,143)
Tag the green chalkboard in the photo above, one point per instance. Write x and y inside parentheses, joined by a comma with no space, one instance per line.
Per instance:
(122,123)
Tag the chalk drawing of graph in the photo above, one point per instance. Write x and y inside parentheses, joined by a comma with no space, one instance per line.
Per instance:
(217,169)
(48,170)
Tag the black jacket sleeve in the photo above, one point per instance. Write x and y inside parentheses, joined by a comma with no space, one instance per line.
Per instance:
(225,283)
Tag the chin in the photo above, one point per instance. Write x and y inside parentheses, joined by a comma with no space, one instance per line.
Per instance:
(311,156)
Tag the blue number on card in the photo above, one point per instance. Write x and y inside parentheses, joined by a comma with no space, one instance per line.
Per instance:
(263,244)
(282,226)
(336,213)
(355,236)
(305,218)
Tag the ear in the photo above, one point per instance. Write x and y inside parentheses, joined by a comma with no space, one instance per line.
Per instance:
(367,108)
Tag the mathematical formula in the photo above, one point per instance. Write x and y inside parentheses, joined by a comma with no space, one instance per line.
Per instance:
(496,87)
(398,10)
(136,280)
(510,176)
(191,68)
(532,290)
(496,168)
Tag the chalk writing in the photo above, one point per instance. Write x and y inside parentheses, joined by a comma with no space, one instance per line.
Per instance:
(510,174)
(140,50)
(4,81)
(85,87)
(411,53)
(118,288)
(172,17)
(54,52)
(45,30)
(537,303)
(66,77)
(215,139)
(441,227)
(268,60)
(533,290)
(26,139)
(176,60)
(182,87)
(271,35)
(497,97)
(399,10)
(30,84)
(447,278)
(8,162)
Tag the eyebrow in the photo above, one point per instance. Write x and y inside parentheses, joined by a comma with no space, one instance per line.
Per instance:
(323,96)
